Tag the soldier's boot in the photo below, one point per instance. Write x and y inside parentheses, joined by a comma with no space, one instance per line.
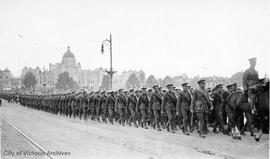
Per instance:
(215,130)
(154,125)
(145,125)
(163,126)
(168,127)
(158,127)
(135,124)
(141,124)
(172,128)
(201,134)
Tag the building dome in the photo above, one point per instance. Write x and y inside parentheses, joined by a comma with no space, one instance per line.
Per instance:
(69,58)
(68,54)
(6,70)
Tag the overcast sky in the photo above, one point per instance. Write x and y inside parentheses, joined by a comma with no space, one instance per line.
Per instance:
(196,37)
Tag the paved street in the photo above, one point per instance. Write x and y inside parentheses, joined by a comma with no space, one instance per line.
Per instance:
(80,139)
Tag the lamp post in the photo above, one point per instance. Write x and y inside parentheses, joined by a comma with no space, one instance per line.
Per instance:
(110,72)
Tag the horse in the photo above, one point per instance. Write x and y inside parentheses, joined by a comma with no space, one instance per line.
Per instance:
(237,103)
(262,106)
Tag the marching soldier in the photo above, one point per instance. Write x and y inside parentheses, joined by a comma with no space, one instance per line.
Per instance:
(121,106)
(225,94)
(131,103)
(91,103)
(110,103)
(217,104)
(142,105)
(201,105)
(155,105)
(97,105)
(103,106)
(183,107)
(169,105)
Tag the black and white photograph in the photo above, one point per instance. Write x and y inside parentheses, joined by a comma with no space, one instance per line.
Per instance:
(134,79)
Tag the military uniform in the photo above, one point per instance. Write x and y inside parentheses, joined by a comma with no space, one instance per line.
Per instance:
(217,105)
(121,106)
(97,106)
(110,103)
(103,107)
(131,102)
(201,104)
(142,105)
(169,104)
(251,81)
(183,108)
(155,105)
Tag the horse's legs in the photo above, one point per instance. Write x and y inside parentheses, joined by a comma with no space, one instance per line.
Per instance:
(249,122)
(259,135)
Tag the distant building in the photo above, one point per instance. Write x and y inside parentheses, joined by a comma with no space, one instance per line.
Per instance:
(5,79)
(15,83)
(91,79)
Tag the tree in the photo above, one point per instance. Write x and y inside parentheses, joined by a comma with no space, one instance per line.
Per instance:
(150,82)
(105,83)
(29,80)
(132,82)
(237,78)
(141,77)
(65,82)
(167,80)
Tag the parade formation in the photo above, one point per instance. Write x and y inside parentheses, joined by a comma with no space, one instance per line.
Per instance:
(188,109)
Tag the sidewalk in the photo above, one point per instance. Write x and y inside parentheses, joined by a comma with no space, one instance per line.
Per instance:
(14,145)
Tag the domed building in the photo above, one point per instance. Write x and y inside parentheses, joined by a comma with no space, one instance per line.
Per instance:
(69,59)
(83,77)
(67,64)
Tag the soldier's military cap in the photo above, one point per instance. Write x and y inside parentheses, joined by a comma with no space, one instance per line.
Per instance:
(97,91)
(262,80)
(120,89)
(219,85)
(201,81)
(131,90)
(149,90)
(229,86)
(155,86)
(170,85)
(103,92)
(144,88)
(252,59)
(184,84)
(137,91)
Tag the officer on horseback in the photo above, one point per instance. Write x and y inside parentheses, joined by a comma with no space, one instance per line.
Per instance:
(251,81)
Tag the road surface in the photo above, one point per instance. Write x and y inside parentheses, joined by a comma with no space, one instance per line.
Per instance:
(79,139)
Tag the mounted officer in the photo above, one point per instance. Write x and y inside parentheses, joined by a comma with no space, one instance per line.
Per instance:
(251,81)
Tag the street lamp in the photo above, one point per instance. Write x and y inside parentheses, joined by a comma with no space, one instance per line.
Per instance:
(110,72)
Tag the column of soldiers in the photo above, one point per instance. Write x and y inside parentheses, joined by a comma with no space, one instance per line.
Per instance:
(187,109)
